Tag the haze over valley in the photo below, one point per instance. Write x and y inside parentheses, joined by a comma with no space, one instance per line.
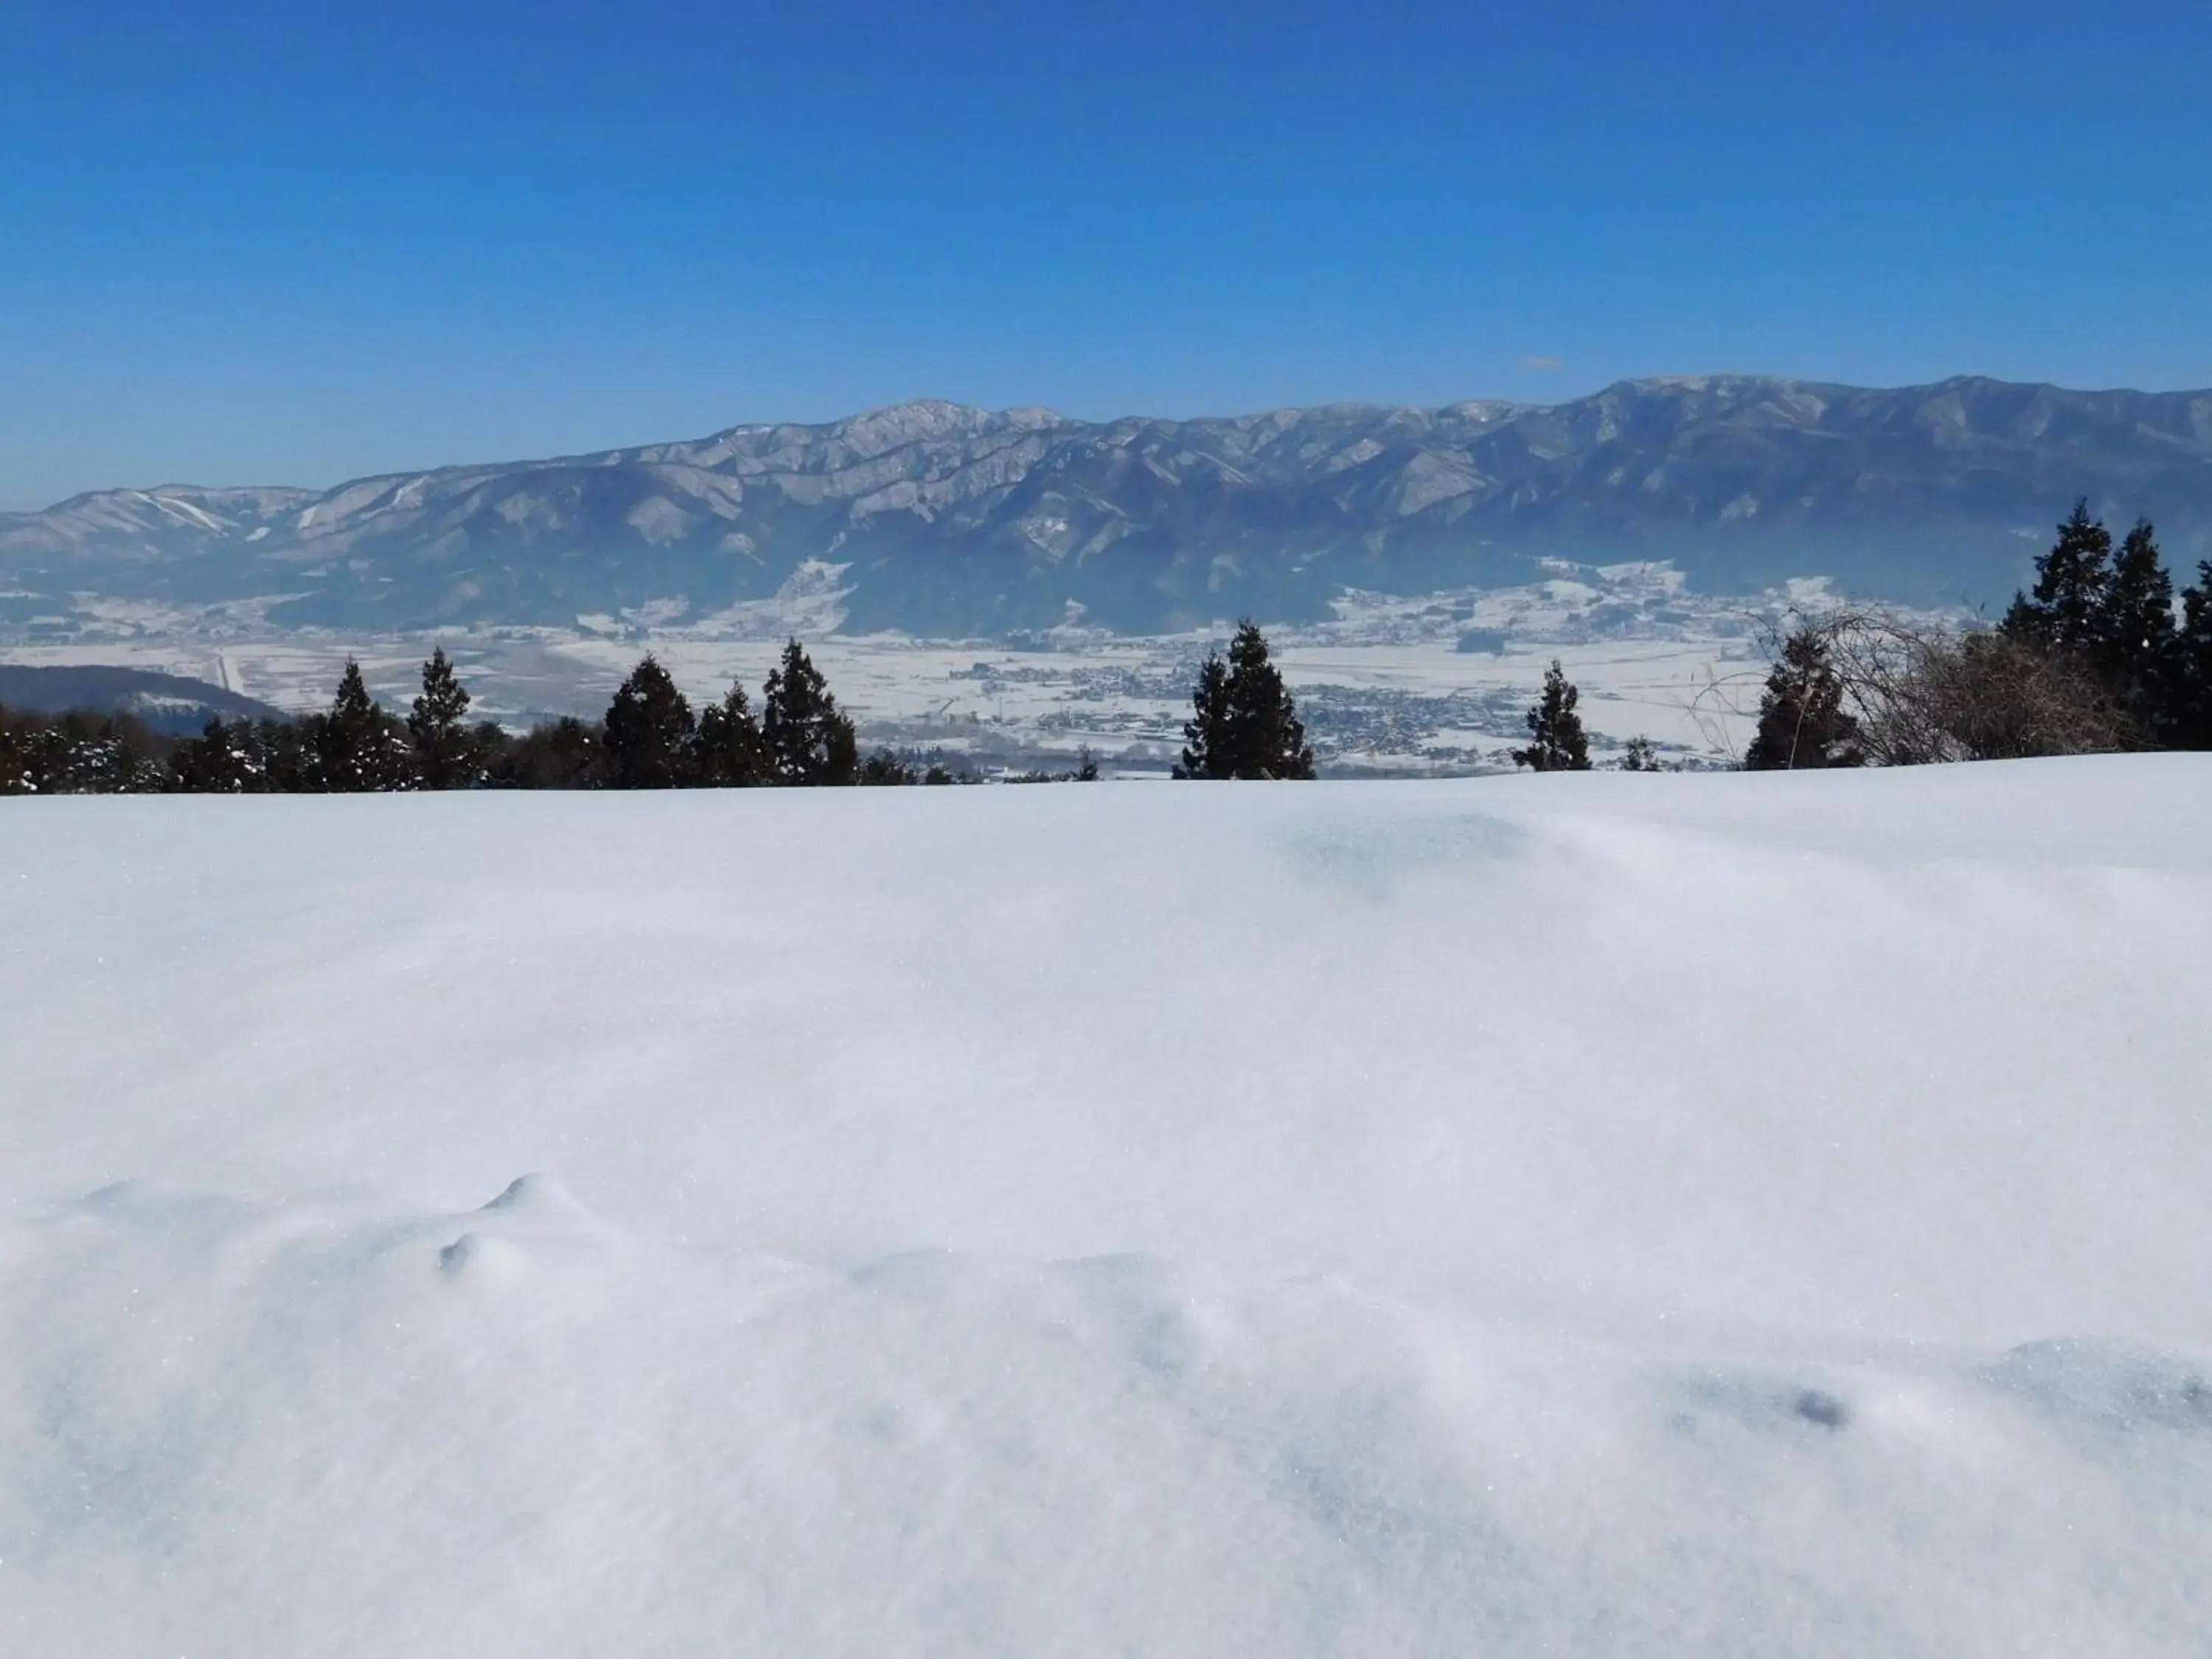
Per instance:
(1650,530)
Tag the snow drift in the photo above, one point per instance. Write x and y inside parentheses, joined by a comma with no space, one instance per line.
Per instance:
(1731,1215)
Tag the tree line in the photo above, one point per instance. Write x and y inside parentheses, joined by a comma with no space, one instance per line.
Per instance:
(2093,659)
(649,738)
(2096,658)
(1244,723)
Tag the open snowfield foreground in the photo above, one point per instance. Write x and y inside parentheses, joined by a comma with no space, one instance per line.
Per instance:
(1596,1215)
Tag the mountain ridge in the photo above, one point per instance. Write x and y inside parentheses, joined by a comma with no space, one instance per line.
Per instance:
(946,517)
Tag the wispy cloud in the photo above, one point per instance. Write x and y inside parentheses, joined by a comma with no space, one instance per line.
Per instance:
(1539,362)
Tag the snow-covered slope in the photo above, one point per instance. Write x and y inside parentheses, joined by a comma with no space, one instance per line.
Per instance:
(1596,1215)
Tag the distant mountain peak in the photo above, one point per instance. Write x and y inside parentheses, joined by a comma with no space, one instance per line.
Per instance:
(948,518)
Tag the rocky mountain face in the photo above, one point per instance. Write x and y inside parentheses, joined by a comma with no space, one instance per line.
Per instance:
(948,521)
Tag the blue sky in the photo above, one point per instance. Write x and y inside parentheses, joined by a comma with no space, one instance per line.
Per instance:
(245,241)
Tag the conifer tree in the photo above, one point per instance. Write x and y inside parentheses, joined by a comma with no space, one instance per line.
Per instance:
(2072,580)
(1269,738)
(285,752)
(490,741)
(567,754)
(357,746)
(808,739)
(2189,693)
(1556,740)
(885,770)
(1802,723)
(731,753)
(224,760)
(1206,747)
(2135,648)
(1243,722)
(649,731)
(1639,755)
(448,754)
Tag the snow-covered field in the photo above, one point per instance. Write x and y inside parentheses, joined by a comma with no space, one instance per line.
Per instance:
(1434,684)
(1603,1215)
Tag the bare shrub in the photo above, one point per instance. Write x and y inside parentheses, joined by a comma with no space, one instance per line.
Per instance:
(1921,692)
(1982,696)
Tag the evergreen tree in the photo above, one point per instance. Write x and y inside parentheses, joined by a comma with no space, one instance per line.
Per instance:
(243,757)
(731,753)
(79,752)
(1802,723)
(567,754)
(1556,741)
(886,768)
(2072,582)
(448,754)
(491,743)
(1205,750)
(1269,738)
(649,731)
(2135,649)
(225,759)
(1244,723)
(286,754)
(2188,694)
(1639,755)
(2114,616)
(808,740)
(358,747)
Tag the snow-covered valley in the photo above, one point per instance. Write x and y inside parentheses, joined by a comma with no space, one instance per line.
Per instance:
(1434,684)
(1603,1214)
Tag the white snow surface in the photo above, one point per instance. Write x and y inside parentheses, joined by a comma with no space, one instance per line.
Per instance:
(1597,1215)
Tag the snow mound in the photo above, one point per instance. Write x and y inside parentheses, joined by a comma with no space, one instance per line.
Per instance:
(1590,1216)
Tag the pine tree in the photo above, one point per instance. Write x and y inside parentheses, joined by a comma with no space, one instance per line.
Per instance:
(1206,749)
(2072,581)
(2188,695)
(886,768)
(448,754)
(2135,649)
(808,740)
(731,753)
(80,752)
(1244,723)
(15,769)
(568,754)
(1802,723)
(1556,741)
(357,747)
(490,742)
(225,759)
(649,731)
(1639,755)
(1269,738)
(285,752)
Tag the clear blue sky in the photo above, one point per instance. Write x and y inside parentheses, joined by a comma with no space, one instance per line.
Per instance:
(248,241)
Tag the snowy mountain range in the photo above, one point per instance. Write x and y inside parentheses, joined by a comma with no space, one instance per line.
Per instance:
(939,518)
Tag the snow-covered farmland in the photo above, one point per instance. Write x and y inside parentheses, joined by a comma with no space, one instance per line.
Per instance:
(1718,1214)
(1437,683)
